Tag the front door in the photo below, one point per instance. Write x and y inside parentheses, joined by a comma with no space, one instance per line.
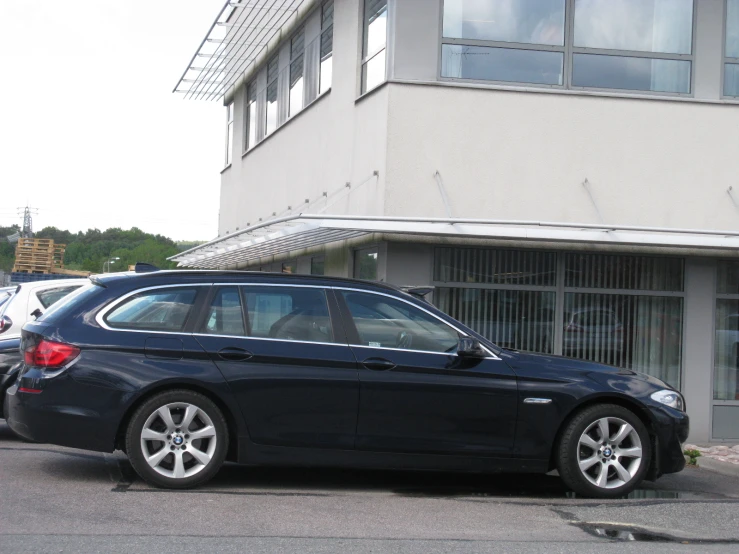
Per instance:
(416,394)
(290,369)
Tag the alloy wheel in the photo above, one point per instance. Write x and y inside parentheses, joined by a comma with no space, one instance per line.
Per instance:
(609,452)
(178,440)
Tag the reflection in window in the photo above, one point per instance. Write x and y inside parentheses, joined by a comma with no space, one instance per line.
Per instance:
(643,333)
(290,267)
(637,25)
(272,74)
(365,264)
(384,322)
(609,271)
(229,131)
(726,363)
(158,310)
(297,57)
(482,265)
(731,68)
(225,316)
(618,72)
(375,38)
(250,114)
(523,21)
(502,64)
(327,46)
(518,319)
(50,296)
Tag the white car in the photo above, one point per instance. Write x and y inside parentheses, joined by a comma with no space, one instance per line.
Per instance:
(19,304)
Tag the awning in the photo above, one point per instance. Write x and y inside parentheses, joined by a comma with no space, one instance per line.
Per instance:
(288,234)
(240,32)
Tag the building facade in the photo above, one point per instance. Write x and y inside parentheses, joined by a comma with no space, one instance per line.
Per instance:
(565,173)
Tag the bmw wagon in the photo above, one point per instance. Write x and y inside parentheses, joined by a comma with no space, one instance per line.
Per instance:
(183,370)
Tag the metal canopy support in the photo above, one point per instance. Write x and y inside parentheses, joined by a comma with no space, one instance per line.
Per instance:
(235,39)
(287,234)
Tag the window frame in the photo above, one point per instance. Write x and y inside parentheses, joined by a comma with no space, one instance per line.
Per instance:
(725,59)
(366,57)
(295,57)
(250,100)
(718,296)
(569,51)
(276,61)
(229,133)
(329,30)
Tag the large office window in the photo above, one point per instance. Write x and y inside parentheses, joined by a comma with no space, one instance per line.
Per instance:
(297,64)
(229,132)
(642,45)
(250,116)
(327,47)
(271,113)
(726,344)
(621,310)
(375,41)
(731,61)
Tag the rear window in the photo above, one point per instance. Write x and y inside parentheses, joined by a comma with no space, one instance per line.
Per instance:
(4,297)
(52,296)
(61,308)
(154,310)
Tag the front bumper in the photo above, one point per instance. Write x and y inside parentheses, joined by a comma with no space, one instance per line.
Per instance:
(670,430)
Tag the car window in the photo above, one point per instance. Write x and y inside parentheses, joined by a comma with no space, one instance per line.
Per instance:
(289,313)
(4,297)
(61,308)
(50,296)
(224,315)
(385,322)
(154,310)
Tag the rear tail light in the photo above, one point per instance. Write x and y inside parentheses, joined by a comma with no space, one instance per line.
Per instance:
(5,323)
(48,354)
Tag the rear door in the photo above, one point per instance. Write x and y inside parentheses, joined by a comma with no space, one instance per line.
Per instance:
(287,361)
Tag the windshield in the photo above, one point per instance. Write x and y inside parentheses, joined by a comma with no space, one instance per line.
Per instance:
(59,309)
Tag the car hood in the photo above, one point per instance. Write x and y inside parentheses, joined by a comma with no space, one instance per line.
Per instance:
(527,360)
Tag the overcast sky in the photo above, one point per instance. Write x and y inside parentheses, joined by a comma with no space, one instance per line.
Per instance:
(90,132)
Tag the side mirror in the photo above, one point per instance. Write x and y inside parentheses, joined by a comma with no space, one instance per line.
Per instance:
(37,313)
(470,348)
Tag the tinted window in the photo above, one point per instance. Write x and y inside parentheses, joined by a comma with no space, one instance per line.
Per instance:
(225,316)
(50,296)
(155,310)
(384,322)
(289,313)
(75,298)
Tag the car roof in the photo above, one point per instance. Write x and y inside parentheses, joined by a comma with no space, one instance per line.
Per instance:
(52,283)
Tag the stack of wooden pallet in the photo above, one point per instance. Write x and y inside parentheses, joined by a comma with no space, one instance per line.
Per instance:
(38,256)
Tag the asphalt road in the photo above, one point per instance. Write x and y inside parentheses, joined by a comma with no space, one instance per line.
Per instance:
(55,499)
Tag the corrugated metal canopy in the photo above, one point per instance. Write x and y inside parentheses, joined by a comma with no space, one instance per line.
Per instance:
(288,234)
(240,32)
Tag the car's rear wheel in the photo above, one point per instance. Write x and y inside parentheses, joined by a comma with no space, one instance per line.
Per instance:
(177,439)
(604,452)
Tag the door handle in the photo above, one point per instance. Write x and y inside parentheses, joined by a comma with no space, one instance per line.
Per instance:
(233,354)
(378,364)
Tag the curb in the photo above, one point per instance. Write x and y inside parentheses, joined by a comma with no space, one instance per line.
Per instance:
(724,468)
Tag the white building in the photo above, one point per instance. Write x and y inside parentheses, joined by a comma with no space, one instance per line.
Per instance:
(564,172)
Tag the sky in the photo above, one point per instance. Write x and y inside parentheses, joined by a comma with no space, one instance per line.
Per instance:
(90,132)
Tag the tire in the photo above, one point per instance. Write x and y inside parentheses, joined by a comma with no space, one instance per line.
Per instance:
(625,456)
(177,460)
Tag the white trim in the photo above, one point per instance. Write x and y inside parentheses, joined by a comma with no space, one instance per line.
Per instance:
(245,337)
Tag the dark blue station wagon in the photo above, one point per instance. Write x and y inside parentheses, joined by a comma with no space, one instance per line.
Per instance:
(186,369)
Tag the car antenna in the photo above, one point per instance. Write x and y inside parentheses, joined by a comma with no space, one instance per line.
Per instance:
(143,267)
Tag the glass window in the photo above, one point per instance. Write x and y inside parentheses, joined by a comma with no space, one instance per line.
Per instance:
(477,265)
(726,363)
(384,322)
(50,296)
(643,333)
(461,61)
(606,271)
(155,310)
(731,79)
(250,113)
(289,313)
(628,73)
(225,316)
(297,57)
(731,69)
(317,265)
(523,320)
(523,21)
(272,74)
(365,264)
(637,25)
(375,38)
(229,132)
(728,278)
(289,267)
(327,47)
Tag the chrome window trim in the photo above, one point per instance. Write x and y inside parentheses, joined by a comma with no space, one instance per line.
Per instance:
(244,337)
(459,331)
(100,317)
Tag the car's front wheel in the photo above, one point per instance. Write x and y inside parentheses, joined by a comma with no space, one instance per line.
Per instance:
(177,439)
(604,452)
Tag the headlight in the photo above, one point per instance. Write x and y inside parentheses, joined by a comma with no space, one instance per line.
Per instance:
(670,398)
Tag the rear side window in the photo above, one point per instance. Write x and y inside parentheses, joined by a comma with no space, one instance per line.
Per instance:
(61,308)
(224,315)
(288,313)
(154,310)
(51,296)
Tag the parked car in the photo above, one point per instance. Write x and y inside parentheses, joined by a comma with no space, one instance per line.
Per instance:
(17,305)
(185,369)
